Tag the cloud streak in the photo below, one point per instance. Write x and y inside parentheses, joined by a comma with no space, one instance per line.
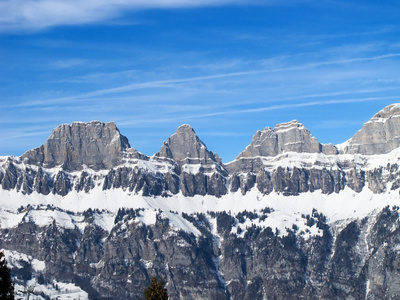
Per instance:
(42,14)
(66,64)
(295,105)
(173,83)
(189,116)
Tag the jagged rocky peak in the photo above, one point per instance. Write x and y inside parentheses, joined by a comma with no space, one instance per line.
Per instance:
(184,146)
(95,144)
(285,137)
(379,135)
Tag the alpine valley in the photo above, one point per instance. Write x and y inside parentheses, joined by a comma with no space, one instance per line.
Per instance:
(86,216)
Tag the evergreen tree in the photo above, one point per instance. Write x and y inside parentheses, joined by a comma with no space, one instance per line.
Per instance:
(6,284)
(156,290)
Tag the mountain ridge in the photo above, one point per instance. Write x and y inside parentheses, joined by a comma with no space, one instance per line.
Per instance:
(299,223)
(287,159)
(278,141)
(95,144)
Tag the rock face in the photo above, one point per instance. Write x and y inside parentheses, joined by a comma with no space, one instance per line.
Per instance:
(185,148)
(360,261)
(380,135)
(141,181)
(96,145)
(285,137)
(193,163)
(185,164)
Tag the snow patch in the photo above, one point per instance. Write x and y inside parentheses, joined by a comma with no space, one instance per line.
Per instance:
(148,217)
(105,220)
(15,258)
(44,218)
(180,223)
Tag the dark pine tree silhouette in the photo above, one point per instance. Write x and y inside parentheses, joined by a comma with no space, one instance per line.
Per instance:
(6,284)
(156,290)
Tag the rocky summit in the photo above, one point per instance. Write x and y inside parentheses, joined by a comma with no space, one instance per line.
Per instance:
(95,145)
(85,216)
(286,137)
(379,135)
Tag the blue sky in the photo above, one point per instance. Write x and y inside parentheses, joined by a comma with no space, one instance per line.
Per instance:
(227,68)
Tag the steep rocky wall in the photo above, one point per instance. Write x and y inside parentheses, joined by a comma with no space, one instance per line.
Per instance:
(379,135)
(289,181)
(285,137)
(360,258)
(96,145)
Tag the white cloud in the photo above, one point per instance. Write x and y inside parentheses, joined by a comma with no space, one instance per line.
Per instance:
(67,63)
(41,14)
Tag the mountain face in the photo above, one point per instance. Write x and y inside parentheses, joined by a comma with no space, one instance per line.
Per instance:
(95,145)
(286,137)
(185,147)
(379,135)
(87,216)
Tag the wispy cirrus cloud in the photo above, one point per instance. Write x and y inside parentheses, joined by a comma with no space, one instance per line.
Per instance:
(67,63)
(292,105)
(102,76)
(188,115)
(174,83)
(42,14)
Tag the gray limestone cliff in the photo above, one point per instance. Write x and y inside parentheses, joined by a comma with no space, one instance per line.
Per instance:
(379,135)
(184,164)
(97,145)
(185,147)
(285,137)
(359,260)
(194,163)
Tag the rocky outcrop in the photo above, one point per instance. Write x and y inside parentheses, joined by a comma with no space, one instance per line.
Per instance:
(95,145)
(357,261)
(185,145)
(140,181)
(285,137)
(185,148)
(379,135)
(147,182)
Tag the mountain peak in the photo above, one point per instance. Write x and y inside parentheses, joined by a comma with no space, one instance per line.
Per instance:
(294,124)
(386,113)
(379,135)
(94,144)
(184,146)
(285,137)
(185,128)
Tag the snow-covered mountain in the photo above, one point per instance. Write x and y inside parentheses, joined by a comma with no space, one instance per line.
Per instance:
(288,218)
